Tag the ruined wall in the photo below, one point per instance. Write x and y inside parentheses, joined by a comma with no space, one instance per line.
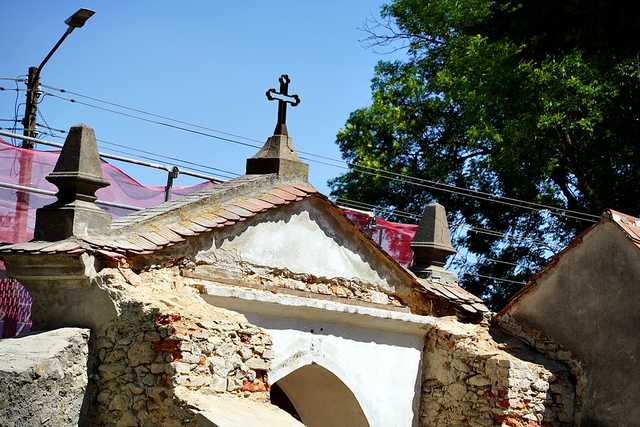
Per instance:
(164,340)
(43,378)
(470,379)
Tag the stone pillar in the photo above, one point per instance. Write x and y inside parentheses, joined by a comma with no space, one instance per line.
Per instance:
(432,243)
(78,175)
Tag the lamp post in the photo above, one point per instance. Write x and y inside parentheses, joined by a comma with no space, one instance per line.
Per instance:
(76,20)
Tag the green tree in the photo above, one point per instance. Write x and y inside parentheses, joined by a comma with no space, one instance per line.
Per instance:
(535,100)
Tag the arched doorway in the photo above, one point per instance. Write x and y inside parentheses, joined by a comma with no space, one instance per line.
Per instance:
(318,398)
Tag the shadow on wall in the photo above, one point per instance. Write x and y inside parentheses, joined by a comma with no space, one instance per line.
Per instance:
(559,399)
(315,396)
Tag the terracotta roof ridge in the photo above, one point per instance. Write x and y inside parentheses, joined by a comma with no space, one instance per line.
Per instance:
(217,190)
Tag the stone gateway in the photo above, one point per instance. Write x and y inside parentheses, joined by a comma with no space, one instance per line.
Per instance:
(257,302)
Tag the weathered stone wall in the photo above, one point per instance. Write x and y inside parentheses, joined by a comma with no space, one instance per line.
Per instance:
(285,281)
(470,379)
(43,378)
(550,349)
(164,339)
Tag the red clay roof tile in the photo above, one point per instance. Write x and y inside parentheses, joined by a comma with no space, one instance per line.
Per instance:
(272,199)
(241,212)
(155,238)
(306,188)
(283,194)
(196,228)
(228,215)
(260,203)
(292,190)
(205,222)
(183,231)
(246,204)
(172,236)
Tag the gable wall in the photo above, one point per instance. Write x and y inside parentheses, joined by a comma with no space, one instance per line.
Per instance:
(302,238)
(588,304)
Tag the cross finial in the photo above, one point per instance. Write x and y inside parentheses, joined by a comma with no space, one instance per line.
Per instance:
(283,98)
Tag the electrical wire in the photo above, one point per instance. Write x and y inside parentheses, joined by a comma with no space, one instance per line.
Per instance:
(75,101)
(480,195)
(162,156)
(156,160)
(500,279)
(138,150)
(478,230)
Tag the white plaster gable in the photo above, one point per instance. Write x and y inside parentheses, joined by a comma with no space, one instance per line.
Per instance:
(306,238)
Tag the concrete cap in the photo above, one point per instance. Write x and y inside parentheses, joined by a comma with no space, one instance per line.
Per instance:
(278,156)
(78,160)
(432,243)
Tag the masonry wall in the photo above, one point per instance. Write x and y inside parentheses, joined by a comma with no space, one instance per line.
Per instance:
(163,342)
(470,379)
(588,304)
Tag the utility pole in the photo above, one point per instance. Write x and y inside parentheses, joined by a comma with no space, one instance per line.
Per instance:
(76,20)
(21,234)
(31,108)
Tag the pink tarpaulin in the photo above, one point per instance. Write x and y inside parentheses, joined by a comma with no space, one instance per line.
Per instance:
(17,214)
(394,238)
(17,217)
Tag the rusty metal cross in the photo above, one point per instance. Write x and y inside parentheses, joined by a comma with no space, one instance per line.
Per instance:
(283,98)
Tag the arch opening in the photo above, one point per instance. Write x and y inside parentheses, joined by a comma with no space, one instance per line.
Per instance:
(317,397)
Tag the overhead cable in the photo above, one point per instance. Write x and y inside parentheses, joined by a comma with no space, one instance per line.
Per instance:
(138,150)
(435,185)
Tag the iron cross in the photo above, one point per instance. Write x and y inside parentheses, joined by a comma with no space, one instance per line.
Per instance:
(283,98)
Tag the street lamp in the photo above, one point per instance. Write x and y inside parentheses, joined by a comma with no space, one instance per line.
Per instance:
(21,233)
(77,20)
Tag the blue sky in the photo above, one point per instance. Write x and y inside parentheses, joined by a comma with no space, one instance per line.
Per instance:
(203,62)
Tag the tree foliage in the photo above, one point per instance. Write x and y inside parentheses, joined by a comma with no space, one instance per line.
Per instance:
(535,100)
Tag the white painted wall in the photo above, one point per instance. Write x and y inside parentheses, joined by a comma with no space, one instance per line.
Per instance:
(304,239)
(381,368)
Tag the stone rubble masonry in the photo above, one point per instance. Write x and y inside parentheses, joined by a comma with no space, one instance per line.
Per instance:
(550,349)
(166,339)
(470,379)
(284,280)
(43,378)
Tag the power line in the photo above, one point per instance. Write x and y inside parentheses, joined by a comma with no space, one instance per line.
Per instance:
(175,159)
(500,279)
(467,192)
(133,116)
(399,213)
(160,116)
(158,160)
(479,230)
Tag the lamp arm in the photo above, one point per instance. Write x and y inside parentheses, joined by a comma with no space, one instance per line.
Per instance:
(53,50)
